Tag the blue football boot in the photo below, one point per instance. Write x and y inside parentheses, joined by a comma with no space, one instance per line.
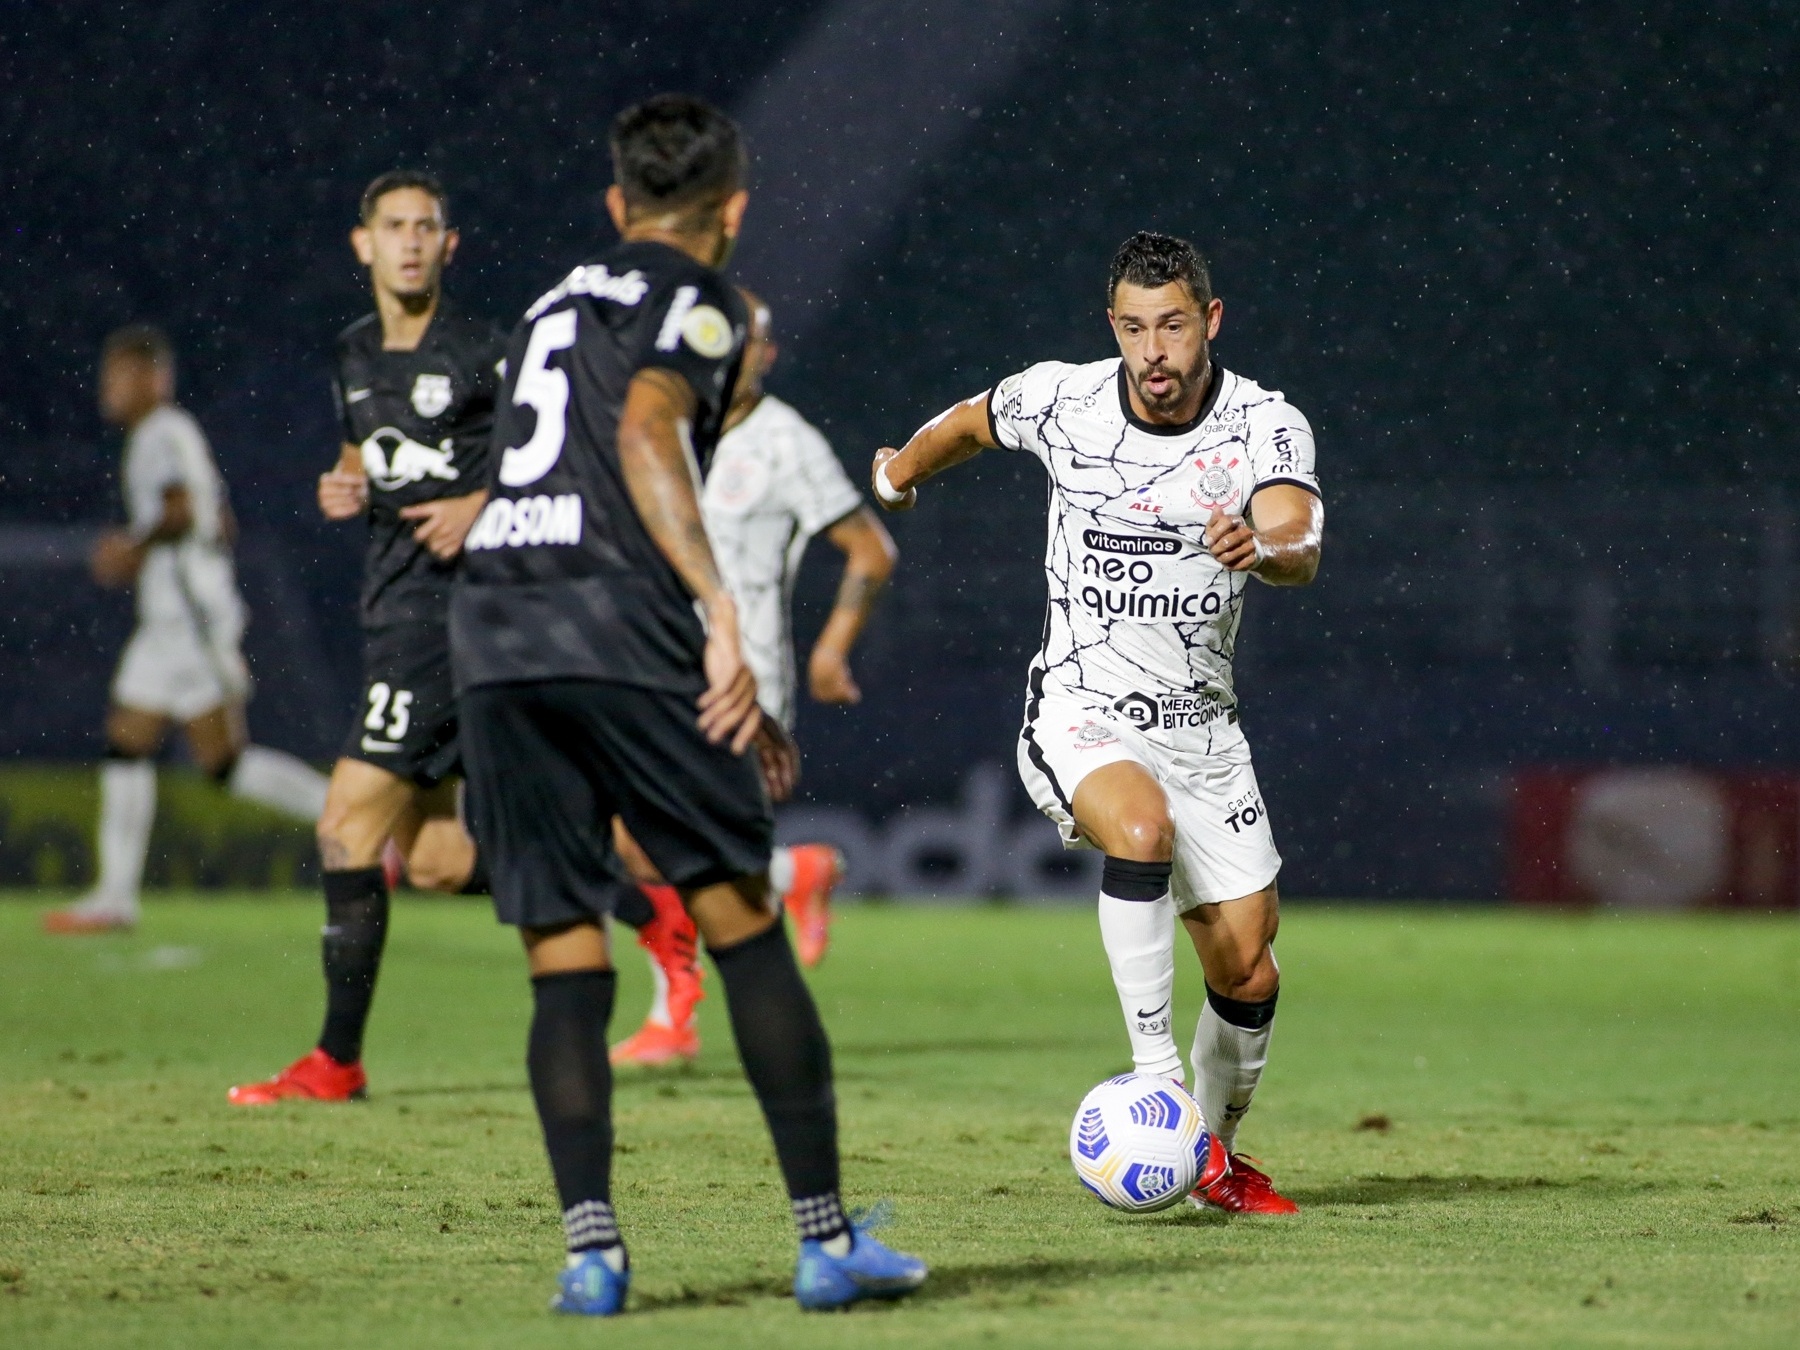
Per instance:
(869,1270)
(589,1287)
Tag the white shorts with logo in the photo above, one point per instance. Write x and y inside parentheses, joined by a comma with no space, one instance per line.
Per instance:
(168,668)
(1224,848)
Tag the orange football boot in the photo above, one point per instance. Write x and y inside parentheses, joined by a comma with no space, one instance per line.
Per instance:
(817,870)
(673,943)
(1242,1189)
(315,1077)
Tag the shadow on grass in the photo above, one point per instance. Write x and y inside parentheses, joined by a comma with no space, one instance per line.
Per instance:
(1422,1187)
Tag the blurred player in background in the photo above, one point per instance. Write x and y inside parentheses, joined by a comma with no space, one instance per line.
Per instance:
(774,484)
(183,663)
(1173,481)
(415,389)
(601,675)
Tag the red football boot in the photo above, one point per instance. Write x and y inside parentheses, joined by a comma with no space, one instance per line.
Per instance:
(817,870)
(1242,1189)
(315,1077)
(654,1044)
(672,941)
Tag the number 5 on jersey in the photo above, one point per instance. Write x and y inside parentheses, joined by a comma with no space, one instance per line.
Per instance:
(546,392)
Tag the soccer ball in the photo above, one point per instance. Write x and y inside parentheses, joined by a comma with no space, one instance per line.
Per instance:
(1139,1142)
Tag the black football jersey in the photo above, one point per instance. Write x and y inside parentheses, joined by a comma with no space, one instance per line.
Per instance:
(422,419)
(560,578)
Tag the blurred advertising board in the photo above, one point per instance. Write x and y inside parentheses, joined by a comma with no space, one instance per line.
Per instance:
(1655,838)
(203,837)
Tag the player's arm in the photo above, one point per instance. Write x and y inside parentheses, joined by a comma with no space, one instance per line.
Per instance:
(869,557)
(344,490)
(959,432)
(119,554)
(657,458)
(445,522)
(1277,540)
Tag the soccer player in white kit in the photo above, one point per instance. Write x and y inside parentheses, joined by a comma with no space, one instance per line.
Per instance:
(183,662)
(773,485)
(1173,481)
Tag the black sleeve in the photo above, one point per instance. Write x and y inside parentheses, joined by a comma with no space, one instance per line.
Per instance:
(696,329)
(343,409)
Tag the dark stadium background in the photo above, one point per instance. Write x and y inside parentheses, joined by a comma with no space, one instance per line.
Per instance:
(1530,269)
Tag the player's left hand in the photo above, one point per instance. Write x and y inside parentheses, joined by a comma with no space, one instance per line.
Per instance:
(446,522)
(1232,542)
(828,674)
(780,759)
(115,559)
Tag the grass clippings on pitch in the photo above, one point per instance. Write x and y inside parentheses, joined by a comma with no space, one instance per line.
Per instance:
(1504,1129)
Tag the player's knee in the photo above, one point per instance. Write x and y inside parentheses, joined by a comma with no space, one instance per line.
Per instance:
(220,768)
(1148,836)
(433,872)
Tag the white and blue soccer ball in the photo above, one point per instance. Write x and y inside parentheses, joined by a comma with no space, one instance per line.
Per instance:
(1139,1142)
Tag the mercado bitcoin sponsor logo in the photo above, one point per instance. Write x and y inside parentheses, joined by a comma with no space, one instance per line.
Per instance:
(1171,712)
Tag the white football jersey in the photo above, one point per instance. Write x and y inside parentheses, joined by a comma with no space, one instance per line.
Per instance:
(1142,618)
(190,581)
(774,483)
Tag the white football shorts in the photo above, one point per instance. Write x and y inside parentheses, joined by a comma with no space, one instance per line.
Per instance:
(1224,848)
(170,669)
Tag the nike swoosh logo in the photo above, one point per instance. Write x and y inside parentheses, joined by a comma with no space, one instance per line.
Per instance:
(357,395)
(1165,1004)
(1077,462)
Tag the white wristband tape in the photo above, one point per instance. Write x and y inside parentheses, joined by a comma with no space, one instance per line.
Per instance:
(1262,552)
(884,488)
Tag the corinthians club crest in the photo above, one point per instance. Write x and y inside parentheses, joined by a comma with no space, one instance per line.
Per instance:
(431,395)
(1217,488)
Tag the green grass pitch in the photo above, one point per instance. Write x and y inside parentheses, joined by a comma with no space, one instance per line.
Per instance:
(1593,1138)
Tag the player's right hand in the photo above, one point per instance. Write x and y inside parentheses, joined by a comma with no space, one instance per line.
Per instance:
(780,759)
(343,495)
(728,708)
(907,501)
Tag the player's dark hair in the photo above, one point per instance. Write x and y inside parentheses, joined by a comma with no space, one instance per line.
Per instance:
(674,151)
(396,179)
(143,341)
(1149,259)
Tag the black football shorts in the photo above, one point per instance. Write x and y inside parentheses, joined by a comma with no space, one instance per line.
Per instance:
(406,722)
(549,763)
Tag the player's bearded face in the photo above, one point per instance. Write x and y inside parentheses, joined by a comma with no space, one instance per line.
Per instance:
(1163,337)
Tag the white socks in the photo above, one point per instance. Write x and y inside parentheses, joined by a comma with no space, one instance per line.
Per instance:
(1228,1060)
(781,874)
(659,1004)
(1139,936)
(127,811)
(280,781)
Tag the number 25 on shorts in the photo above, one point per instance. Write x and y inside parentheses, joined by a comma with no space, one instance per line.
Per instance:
(392,706)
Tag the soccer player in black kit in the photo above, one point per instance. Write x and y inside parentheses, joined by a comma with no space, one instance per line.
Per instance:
(599,670)
(415,386)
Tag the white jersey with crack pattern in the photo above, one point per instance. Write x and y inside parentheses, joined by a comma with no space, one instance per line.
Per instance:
(1141,618)
(773,484)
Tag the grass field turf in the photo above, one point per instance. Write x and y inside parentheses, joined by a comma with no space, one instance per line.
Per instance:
(1593,1140)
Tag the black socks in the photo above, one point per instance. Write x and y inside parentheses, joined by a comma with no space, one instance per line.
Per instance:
(788,1062)
(1128,879)
(1248,1016)
(356,915)
(571,1082)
